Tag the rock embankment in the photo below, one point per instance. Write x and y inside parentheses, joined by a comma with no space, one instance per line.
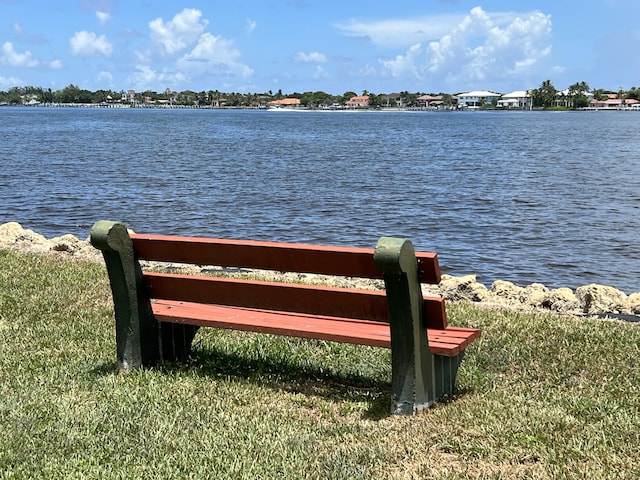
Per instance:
(590,299)
(14,237)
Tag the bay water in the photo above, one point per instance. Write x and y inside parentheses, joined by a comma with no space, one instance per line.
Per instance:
(549,197)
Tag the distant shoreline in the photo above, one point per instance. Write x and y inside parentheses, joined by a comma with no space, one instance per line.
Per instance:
(139,106)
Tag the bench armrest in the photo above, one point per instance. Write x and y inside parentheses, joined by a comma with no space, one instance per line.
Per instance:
(412,363)
(132,308)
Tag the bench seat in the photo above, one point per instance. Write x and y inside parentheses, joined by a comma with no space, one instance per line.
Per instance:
(448,343)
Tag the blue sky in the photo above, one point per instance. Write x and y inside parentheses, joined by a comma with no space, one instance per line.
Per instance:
(307,45)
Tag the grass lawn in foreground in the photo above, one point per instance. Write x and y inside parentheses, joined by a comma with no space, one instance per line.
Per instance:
(539,396)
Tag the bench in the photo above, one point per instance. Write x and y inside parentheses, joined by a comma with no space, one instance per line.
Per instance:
(157,314)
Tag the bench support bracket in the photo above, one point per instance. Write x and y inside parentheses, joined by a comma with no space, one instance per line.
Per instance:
(412,363)
(141,340)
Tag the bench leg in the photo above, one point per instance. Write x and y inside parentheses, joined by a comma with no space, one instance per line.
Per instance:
(446,370)
(141,341)
(137,331)
(413,378)
(176,341)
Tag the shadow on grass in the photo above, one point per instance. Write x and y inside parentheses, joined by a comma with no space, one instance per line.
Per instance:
(355,391)
(103,369)
(280,375)
(293,376)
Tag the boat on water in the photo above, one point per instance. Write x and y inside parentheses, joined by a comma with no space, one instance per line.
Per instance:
(280,108)
(285,105)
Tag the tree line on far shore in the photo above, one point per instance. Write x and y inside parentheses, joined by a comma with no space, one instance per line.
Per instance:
(546,95)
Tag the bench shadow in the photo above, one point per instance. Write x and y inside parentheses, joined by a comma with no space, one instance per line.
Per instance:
(293,377)
(103,369)
(370,395)
(281,375)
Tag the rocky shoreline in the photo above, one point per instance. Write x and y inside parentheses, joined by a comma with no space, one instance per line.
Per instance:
(592,300)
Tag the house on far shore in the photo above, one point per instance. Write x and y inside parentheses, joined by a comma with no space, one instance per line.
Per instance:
(520,99)
(128,96)
(430,101)
(477,99)
(285,103)
(615,104)
(361,101)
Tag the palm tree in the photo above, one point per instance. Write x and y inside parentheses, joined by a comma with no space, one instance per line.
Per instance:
(544,96)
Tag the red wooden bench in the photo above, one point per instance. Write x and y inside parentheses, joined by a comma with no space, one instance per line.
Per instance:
(158,314)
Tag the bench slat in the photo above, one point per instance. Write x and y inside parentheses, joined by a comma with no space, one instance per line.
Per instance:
(311,299)
(361,332)
(283,257)
(300,298)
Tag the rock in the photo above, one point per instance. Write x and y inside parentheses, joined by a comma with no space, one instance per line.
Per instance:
(633,303)
(533,295)
(463,288)
(13,235)
(561,300)
(506,290)
(596,299)
(66,243)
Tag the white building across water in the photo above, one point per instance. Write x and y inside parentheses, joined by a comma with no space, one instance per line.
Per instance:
(520,99)
(477,99)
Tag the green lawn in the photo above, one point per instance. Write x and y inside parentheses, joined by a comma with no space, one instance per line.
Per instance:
(539,396)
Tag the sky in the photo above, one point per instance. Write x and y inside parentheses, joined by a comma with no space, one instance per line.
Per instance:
(426,46)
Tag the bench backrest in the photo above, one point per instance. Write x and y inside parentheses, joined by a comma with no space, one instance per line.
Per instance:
(279,257)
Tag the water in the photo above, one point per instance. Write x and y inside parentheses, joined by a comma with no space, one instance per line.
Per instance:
(523,196)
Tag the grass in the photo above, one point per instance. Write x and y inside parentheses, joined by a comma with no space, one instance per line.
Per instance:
(539,396)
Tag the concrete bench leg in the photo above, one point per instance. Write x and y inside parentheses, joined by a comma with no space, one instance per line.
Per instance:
(446,370)
(176,341)
(141,341)
(413,375)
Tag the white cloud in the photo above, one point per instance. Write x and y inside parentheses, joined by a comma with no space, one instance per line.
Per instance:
(251,25)
(183,45)
(311,57)
(143,78)
(105,78)
(103,17)
(366,71)
(146,78)
(400,32)
(405,65)
(321,74)
(9,82)
(11,58)
(215,55)
(482,47)
(179,33)
(88,44)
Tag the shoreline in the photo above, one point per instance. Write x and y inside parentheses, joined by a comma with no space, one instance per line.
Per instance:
(589,300)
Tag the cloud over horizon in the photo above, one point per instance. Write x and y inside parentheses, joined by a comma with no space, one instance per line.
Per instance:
(192,52)
(482,48)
